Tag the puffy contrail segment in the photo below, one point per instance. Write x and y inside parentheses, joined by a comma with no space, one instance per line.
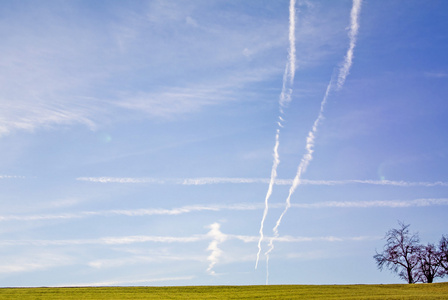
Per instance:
(308,156)
(285,98)
(217,237)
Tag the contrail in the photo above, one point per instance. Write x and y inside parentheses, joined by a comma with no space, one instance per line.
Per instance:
(308,156)
(129,213)
(423,202)
(122,240)
(215,235)
(378,203)
(292,40)
(122,180)
(285,98)
(237,180)
(268,194)
(354,27)
(11,177)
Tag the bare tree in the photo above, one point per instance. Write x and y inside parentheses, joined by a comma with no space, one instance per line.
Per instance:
(443,250)
(400,254)
(429,266)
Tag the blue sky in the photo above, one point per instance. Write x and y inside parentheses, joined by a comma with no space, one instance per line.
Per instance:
(137,139)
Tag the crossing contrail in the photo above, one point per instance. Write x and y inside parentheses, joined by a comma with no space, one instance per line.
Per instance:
(308,156)
(285,98)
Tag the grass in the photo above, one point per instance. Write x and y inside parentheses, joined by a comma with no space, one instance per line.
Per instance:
(389,291)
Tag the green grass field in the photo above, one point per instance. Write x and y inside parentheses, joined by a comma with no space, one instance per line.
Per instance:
(395,291)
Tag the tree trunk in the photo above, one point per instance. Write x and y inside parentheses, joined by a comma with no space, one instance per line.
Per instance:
(410,278)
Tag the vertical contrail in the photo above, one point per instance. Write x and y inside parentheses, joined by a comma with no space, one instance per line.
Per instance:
(285,98)
(292,40)
(308,156)
(354,26)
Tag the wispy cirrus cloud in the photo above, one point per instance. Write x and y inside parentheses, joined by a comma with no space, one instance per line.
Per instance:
(49,79)
(46,77)
(175,102)
(50,73)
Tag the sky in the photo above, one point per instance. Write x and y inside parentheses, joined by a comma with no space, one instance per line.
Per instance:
(160,143)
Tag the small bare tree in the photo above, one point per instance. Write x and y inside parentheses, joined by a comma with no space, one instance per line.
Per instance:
(429,266)
(443,250)
(400,254)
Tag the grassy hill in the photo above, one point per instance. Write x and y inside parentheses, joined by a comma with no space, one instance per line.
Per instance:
(389,291)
